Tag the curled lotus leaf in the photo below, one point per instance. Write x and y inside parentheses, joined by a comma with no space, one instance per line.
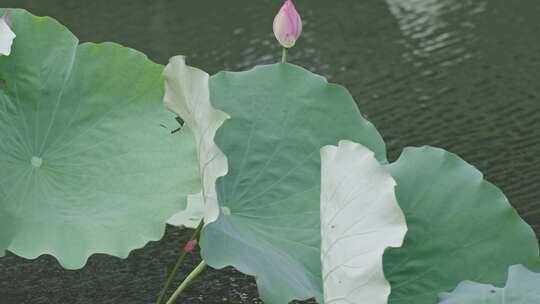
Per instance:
(187,94)
(360,219)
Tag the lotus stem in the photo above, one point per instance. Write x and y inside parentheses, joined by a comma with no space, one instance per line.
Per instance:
(284,56)
(192,276)
(178,265)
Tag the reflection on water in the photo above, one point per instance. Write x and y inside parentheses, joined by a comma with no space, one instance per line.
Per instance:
(430,26)
(460,74)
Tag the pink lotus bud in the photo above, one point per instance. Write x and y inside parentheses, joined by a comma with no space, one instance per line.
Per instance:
(190,246)
(287,25)
(6,34)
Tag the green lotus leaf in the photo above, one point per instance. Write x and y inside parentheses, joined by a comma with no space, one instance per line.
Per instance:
(522,287)
(461,227)
(85,165)
(269,223)
(360,218)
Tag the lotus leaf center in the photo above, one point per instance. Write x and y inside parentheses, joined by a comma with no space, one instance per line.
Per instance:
(226,210)
(36,162)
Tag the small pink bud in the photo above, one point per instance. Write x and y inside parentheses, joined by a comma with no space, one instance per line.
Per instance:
(287,25)
(190,246)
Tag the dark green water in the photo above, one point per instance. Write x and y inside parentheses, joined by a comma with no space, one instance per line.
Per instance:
(459,74)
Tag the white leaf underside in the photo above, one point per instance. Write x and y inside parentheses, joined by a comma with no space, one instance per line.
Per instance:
(522,287)
(192,215)
(360,218)
(187,94)
(6,38)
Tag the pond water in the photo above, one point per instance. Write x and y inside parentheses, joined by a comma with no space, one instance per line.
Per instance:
(459,74)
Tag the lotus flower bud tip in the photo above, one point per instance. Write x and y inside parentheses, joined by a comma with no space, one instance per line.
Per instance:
(287,25)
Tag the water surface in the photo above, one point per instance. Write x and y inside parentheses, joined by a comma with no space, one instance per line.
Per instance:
(459,74)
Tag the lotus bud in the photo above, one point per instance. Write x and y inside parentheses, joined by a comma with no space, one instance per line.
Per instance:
(6,34)
(287,25)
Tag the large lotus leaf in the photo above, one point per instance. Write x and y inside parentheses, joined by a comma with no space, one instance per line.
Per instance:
(85,165)
(461,227)
(187,94)
(360,218)
(269,226)
(522,287)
